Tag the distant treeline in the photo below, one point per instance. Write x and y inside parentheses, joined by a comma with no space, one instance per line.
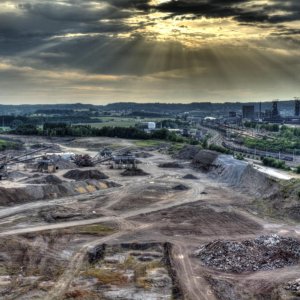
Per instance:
(142,107)
(64,130)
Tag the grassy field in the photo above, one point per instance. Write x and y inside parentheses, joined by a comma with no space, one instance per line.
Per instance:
(122,122)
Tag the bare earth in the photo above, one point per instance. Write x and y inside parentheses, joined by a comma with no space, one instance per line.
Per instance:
(45,243)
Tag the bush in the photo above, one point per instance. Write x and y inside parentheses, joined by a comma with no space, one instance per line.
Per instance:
(219,149)
(275,163)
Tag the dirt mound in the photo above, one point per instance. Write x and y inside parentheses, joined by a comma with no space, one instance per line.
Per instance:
(181,187)
(49,179)
(241,175)
(204,159)
(143,154)
(171,165)
(262,253)
(134,172)
(60,213)
(15,175)
(85,174)
(189,176)
(188,152)
(63,164)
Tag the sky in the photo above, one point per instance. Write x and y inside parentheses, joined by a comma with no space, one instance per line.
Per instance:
(103,51)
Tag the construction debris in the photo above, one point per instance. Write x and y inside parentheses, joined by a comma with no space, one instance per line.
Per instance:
(293,286)
(84,160)
(85,174)
(262,253)
(134,172)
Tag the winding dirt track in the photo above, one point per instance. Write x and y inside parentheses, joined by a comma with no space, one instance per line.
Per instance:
(194,285)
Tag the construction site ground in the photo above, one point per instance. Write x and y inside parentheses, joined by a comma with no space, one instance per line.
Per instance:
(132,237)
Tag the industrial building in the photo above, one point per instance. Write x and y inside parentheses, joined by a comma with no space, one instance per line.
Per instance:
(248,112)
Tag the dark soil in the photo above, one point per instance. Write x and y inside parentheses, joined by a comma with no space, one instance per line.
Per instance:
(134,172)
(85,174)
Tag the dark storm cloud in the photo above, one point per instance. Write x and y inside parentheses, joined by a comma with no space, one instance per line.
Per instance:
(42,38)
(276,11)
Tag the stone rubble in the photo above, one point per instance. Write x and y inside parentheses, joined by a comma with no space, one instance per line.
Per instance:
(262,253)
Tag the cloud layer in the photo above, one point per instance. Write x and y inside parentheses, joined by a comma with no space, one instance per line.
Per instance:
(148,50)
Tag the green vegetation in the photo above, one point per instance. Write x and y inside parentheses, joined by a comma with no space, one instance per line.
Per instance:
(7,145)
(267,127)
(219,149)
(275,163)
(298,170)
(106,276)
(148,143)
(239,156)
(62,130)
(96,229)
(287,140)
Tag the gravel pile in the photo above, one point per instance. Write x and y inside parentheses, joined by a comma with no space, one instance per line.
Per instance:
(143,155)
(189,176)
(293,286)
(134,172)
(262,253)
(204,159)
(85,174)
(49,179)
(181,187)
(172,164)
(188,152)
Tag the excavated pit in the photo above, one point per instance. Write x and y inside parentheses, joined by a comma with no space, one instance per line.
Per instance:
(128,271)
(31,264)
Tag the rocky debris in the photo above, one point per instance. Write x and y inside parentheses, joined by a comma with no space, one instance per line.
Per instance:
(15,175)
(54,214)
(85,174)
(204,159)
(293,286)
(180,187)
(143,154)
(134,172)
(188,152)
(189,176)
(262,253)
(171,165)
(62,163)
(49,179)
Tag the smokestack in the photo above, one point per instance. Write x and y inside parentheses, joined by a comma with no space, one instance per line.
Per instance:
(297,107)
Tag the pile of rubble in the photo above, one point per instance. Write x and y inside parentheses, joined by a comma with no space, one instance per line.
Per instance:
(293,286)
(187,152)
(189,176)
(134,172)
(180,187)
(204,159)
(171,165)
(262,253)
(85,174)
(49,179)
